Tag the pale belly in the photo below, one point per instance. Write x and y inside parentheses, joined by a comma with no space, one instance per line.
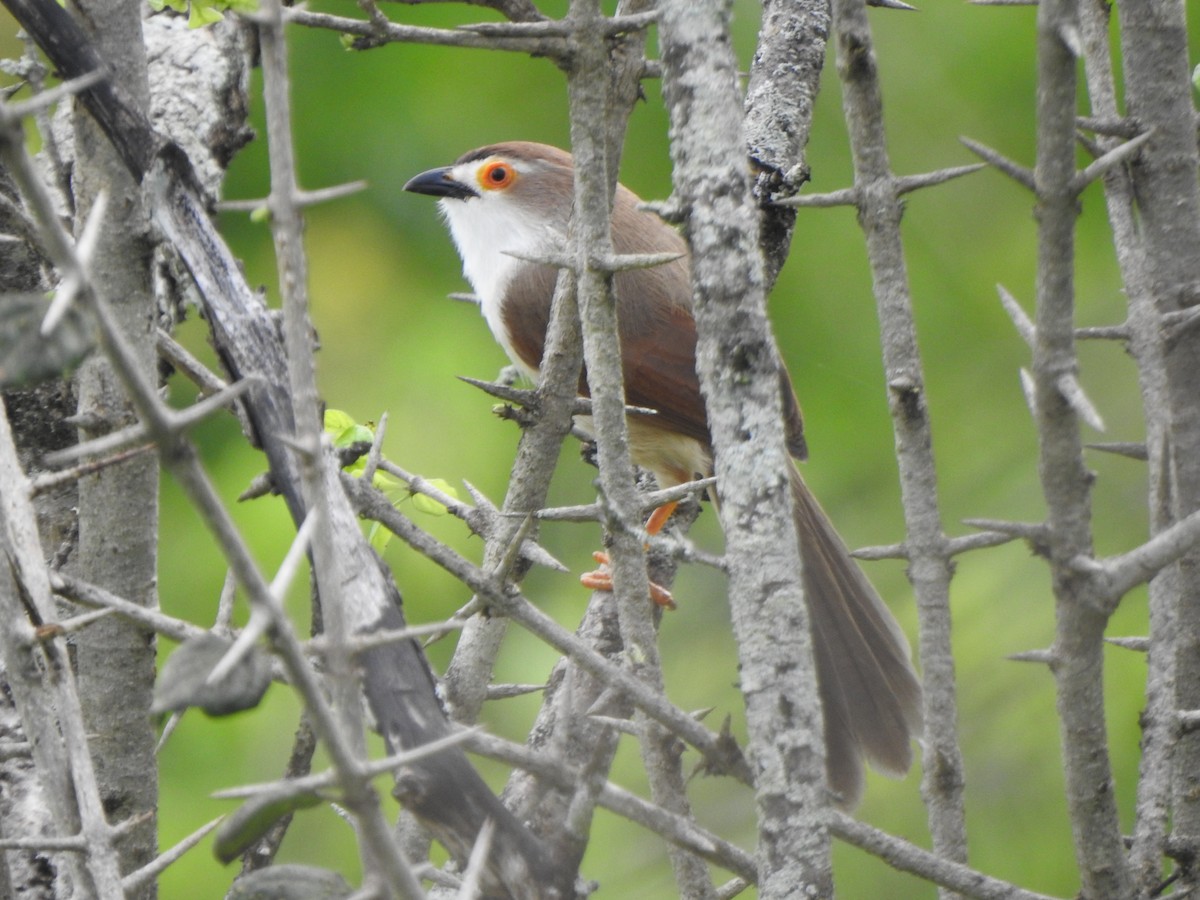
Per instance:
(673,458)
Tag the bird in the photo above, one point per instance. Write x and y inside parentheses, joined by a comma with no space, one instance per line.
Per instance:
(507,204)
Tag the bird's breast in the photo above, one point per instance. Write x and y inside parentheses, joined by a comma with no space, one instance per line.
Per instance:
(487,241)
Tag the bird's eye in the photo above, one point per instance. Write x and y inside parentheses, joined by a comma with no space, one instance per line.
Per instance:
(496,175)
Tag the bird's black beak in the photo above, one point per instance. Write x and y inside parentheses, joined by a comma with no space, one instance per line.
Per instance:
(440,183)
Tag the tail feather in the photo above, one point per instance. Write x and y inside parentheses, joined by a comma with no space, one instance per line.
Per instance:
(870,694)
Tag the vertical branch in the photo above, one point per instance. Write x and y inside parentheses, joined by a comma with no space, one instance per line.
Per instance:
(1066,482)
(42,679)
(357,597)
(328,565)
(737,364)
(1154,44)
(780,94)
(929,563)
(24,582)
(566,727)
(37,417)
(470,671)
(591,249)
(588,88)
(1149,348)
(118,508)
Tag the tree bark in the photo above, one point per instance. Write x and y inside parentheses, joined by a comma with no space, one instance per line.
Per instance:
(118,507)
(738,366)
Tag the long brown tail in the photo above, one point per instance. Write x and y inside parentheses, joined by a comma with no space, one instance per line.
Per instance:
(870,694)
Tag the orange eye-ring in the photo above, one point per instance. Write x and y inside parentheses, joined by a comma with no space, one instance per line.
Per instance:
(496,174)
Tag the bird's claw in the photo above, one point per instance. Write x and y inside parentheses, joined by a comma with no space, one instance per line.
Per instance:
(601,580)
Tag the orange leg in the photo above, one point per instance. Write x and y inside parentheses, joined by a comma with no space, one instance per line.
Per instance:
(601,580)
(658,518)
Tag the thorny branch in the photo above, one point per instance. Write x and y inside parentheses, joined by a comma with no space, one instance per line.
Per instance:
(1087,589)
(738,370)
(927,550)
(1066,483)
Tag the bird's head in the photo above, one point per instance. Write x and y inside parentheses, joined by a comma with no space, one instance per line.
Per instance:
(499,200)
(515,183)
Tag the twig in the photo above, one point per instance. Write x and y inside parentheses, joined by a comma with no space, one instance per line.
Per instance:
(742,398)
(909,858)
(1018,173)
(903,184)
(1066,483)
(675,828)
(291,787)
(483,518)
(930,565)
(620,24)
(302,199)
(372,34)
(1115,157)
(179,356)
(48,481)
(722,755)
(171,422)
(134,880)
(591,512)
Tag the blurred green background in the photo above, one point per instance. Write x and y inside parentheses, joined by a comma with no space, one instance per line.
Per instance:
(382,265)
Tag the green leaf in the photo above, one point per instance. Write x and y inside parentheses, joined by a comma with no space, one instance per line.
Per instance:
(254,818)
(337,421)
(344,431)
(392,488)
(203,14)
(355,434)
(378,537)
(206,12)
(428,504)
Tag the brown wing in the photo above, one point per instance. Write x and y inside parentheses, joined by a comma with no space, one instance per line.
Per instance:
(526,311)
(659,349)
(658,343)
(660,373)
(657,328)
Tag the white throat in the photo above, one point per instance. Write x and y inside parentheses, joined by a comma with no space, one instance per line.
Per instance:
(487,230)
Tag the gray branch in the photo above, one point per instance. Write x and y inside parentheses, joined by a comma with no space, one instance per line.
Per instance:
(930,563)
(737,362)
(1154,211)
(1066,483)
(118,521)
(780,94)
(597,130)
(42,685)
(1145,337)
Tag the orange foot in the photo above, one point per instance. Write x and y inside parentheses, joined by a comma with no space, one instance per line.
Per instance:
(601,580)
(658,518)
